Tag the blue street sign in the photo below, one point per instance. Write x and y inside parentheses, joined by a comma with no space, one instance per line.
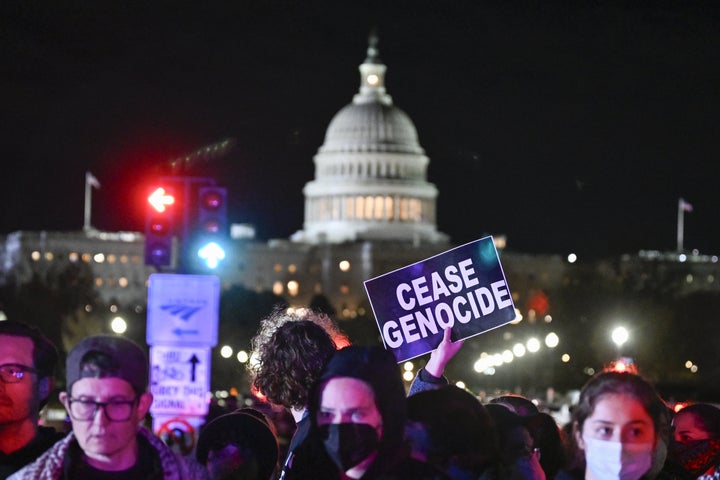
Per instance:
(183,309)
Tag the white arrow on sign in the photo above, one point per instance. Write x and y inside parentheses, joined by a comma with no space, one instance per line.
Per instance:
(179,380)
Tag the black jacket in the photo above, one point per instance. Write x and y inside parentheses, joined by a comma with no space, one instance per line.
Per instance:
(44,439)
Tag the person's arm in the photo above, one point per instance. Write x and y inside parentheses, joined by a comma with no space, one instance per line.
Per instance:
(432,375)
(441,356)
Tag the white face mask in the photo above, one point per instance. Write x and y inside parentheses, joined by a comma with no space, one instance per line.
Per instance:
(617,461)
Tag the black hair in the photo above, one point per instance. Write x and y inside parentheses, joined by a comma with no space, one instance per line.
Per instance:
(95,364)
(523,406)
(45,355)
(708,416)
(451,427)
(626,383)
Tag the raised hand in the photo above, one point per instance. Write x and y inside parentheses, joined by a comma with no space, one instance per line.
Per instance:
(444,352)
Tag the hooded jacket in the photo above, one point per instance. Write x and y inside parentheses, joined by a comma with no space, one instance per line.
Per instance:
(376,367)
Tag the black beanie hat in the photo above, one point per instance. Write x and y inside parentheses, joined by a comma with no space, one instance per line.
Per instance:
(247,428)
(376,367)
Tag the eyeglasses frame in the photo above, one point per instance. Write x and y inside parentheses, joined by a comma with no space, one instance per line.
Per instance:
(70,400)
(23,369)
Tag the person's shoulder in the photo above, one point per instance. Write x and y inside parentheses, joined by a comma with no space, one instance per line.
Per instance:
(309,460)
(49,436)
(192,470)
(674,474)
(423,470)
(48,465)
(409,467)
(568,475)
(172,463)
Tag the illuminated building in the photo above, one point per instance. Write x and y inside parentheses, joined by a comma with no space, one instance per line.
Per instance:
(368,210)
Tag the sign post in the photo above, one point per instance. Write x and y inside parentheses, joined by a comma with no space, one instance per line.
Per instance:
(182,328)
(183,309)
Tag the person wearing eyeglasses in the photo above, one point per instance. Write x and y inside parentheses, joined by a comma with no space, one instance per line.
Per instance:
(107,399)
(27,367)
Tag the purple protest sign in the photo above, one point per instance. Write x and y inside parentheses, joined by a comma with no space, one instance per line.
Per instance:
(463,288)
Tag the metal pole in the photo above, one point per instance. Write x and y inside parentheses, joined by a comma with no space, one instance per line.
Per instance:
(680,228)
(88,204)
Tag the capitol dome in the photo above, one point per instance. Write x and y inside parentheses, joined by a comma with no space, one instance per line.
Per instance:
(371,126)
(370,173)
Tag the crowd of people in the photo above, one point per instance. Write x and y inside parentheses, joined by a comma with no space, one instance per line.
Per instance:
(353,418)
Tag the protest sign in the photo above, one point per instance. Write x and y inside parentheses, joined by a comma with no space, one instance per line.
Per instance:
(463,289)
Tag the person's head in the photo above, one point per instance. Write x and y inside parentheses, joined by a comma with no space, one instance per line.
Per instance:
(696,439)
(359,406)
(289,351)
(547,439)
(621,424)
(451,429)
(27,367)
(523,406)
(238,446)
(106,397)
(515,443)
(699,421)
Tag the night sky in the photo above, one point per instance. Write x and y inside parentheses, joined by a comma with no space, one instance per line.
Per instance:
(567,126)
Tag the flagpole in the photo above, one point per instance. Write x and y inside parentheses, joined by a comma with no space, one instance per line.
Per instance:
(683,207)
(88,203)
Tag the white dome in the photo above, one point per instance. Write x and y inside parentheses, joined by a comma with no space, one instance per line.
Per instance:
(370,173)
(371,127)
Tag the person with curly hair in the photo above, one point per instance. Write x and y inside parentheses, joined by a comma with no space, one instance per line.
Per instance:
(289,352)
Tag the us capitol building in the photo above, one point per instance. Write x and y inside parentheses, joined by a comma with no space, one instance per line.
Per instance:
(369,210)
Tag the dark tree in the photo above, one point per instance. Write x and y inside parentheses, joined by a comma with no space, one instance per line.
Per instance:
(240,313)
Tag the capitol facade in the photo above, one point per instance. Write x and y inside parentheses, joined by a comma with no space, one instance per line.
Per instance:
(369,210)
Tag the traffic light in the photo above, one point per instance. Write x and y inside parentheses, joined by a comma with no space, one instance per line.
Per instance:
(160,221)
(211,225)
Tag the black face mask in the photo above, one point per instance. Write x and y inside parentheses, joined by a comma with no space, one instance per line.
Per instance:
(348,444)
(695,456)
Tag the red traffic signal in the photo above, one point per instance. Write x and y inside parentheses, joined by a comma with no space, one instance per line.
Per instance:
(160,226)
(160,199)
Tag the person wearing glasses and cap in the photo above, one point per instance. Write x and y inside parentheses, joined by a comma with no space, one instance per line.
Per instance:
(27,368)
(107,398)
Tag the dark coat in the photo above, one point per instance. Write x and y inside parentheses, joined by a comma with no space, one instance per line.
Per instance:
(44,439)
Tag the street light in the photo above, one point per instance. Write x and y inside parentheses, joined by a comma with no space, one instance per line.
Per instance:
(533,345)
(519,349)
(118,325)
(619,336)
